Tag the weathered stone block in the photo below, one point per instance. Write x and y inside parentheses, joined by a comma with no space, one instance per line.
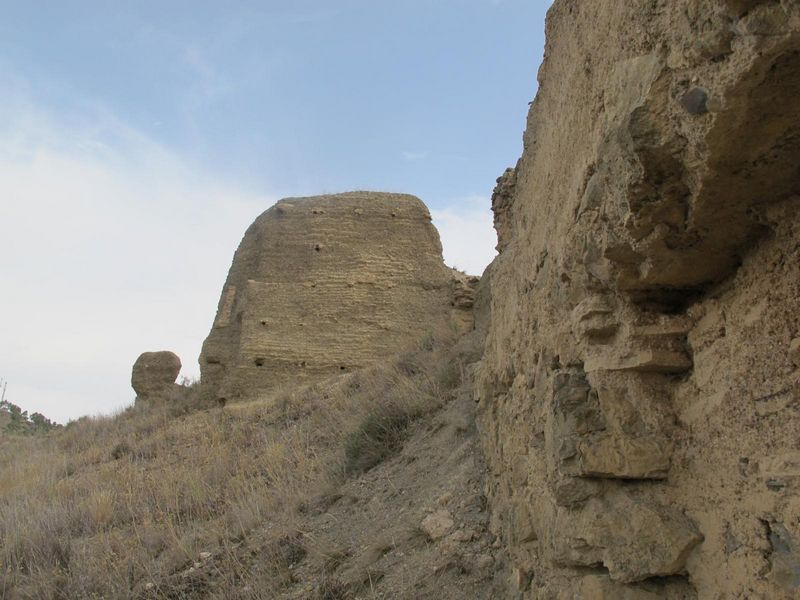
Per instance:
(522,528)
(634,540)
(575,405)
(502,198)
(437,524)
(594,318)
(573,491)
(624,457)
(784,557)
(329,284)
(645,360)
(600,587)
(154,374)
(794,352)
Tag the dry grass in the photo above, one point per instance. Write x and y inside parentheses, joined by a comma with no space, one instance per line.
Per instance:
(123,506)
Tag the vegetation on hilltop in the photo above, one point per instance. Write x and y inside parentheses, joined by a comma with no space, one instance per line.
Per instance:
(15,420)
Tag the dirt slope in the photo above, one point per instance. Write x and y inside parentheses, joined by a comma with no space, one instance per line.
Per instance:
(415,526)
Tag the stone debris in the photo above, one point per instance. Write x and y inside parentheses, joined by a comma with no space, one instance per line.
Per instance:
(695,101)
(437,524)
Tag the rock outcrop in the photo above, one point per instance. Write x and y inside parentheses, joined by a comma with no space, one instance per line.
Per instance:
(640,388)
(154,374)
(326,285)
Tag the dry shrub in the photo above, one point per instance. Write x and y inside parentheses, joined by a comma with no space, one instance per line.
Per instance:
(280,557)
(330,588)
(382,430)
(378,436)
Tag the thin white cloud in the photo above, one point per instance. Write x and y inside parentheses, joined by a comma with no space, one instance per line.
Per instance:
(207,85)
(209,81)
(468,236)
(305,17)
(414,156)
(111,246)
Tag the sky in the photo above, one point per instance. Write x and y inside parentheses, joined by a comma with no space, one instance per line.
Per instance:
(138,140)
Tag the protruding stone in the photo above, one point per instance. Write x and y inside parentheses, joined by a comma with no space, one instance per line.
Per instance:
(571,492)
(623,457)
(648,345)
(437,524)
(154,374)
(794,352)
(695,101)
(634,540)
(645,360)
(464,289)
(502,201)
(601,587)
(522,529)
(665,328)
(713,45)
(785,557)
(658,361)
(594,318)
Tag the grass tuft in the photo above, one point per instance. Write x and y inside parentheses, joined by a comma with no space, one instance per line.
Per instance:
(379,435)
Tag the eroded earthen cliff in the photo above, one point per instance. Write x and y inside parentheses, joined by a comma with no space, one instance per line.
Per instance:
(640,388)
(326,285)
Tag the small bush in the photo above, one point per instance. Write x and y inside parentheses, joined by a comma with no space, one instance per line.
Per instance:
(412,363)
(281,556)
(330,588)
(448,374)
(428,342)
(378,436)
(383,427)
(120,450)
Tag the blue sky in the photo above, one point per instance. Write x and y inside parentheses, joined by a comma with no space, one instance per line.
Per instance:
(139,139)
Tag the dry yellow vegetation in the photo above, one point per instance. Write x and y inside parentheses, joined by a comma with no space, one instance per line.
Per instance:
(174,501)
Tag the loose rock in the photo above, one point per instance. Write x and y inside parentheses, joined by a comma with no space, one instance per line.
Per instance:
(437,524)
(695,101)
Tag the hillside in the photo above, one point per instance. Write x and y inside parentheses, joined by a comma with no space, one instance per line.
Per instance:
(367,486)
